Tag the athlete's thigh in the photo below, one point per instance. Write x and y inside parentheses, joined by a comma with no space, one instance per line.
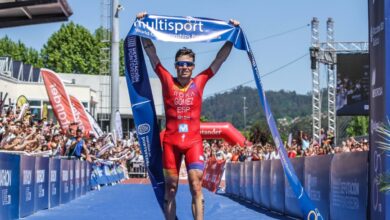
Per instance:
(194,157)
(171,160)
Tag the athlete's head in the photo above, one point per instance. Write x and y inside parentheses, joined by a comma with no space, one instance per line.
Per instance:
(184,63)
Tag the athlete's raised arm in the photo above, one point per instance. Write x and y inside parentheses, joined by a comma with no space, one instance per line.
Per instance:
(148,45)
(224,52)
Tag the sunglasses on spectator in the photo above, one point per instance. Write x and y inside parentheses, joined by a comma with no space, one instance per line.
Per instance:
(184,63)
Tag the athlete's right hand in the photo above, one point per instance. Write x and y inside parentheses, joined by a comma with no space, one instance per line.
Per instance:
(141,15)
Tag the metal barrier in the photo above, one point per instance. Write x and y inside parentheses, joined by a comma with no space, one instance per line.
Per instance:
(137,170)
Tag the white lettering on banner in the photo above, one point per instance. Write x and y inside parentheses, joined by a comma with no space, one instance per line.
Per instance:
(5,178)
(40,176)
(27,175)
(53,176)
(377,92)
(375,31)
(65,175)
(164,25)
(345,194)
(77,174)
(53,189)
(58,105)
(28,194)
(71,174)
(211,132)
(5,197)
(41,191)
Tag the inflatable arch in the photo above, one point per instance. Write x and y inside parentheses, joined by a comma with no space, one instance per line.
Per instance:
(219,130)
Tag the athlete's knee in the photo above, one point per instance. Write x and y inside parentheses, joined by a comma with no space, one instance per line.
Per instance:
(171,188)
(196,188)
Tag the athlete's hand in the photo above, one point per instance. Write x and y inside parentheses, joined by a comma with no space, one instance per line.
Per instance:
(141,15)
(235,23)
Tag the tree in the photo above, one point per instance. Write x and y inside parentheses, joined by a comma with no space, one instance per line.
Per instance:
(18,51)
(358,126)
(72,49)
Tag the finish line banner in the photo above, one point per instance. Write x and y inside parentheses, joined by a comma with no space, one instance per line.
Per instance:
(189,29)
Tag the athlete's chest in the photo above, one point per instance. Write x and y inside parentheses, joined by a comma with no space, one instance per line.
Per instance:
(184,96)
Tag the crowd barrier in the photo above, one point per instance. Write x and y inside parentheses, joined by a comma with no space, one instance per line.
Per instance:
(337,184)
(29,184)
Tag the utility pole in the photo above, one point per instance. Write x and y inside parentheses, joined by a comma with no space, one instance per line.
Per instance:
(116,7)
(244,108)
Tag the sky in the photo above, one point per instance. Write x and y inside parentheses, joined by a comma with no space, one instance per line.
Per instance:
(278,31)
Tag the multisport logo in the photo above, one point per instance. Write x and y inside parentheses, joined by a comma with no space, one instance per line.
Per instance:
(158,24)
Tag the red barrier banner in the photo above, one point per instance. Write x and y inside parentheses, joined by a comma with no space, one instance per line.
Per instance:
(81,116)
(213,174)
(58,98)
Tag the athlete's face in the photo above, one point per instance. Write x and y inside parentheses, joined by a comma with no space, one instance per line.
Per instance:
(184,66)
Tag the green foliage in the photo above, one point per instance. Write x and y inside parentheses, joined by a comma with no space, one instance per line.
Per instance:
(72,49)
(19,51)
(358,126)
(228,106)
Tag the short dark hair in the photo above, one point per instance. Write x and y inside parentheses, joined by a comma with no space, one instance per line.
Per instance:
(185,51)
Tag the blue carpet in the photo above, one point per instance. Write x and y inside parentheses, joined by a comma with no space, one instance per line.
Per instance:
(133,201)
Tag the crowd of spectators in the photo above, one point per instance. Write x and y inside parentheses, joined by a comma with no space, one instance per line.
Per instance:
(302,146)
(22,133)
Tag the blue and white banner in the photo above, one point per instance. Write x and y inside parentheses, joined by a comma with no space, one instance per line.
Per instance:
(189,29)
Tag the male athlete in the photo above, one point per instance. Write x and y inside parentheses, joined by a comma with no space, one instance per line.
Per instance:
(183,104)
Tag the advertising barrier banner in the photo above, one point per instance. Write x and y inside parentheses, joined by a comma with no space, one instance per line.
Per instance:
(77,181)
(317,179)
(348,186)
(291,202)
(88,168)
(379,43)
(41,183)
(65,182)
(248,180)
(277,186)
(82,177)
(228,178)
(265,181)
(235,179)
(27,186)
(54,182)
(256,181)
(72,192)
(9,186)
(242,181)
(213,174)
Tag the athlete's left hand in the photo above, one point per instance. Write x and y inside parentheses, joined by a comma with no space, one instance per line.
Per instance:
(234,22)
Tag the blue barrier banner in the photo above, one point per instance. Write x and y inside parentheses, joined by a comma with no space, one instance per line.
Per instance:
(379,43)
(236,179)
(317,179)
(27,186)
(265,181)
(248,172)
(190,29)
(228,178)
(77,184)
(72,192)
(65,184)
(256,182)
(54,182)
(277,186)
(94,178)
(88,174)
(9,186)
(242,180)
(107,173)
(291,202)
(82,177)
(348,186)
(41,183)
